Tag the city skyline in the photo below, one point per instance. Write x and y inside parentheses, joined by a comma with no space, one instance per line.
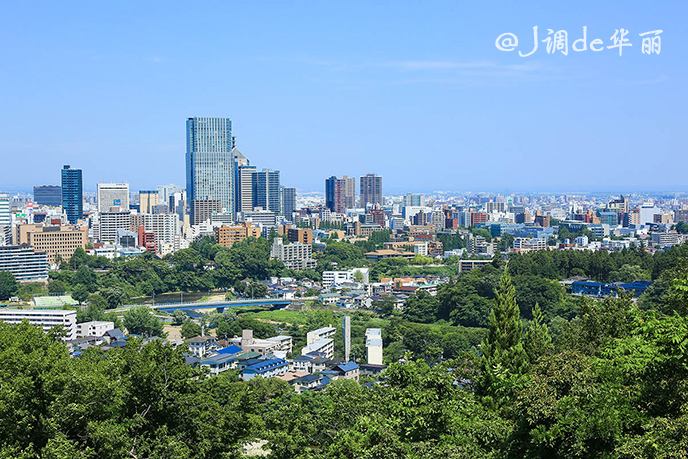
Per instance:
(441,108)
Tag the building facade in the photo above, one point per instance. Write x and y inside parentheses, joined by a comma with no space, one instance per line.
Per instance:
(48,195)
(72,194)
(266,190)
(203,209)
(295,256)
(54,240)
(113,195)
(44,318)
(26,264)
(210,161)
(288,202)
(227,236)
(371,190)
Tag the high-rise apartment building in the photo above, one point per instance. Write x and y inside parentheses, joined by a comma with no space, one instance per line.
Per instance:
(5,220)
(266,190)
(210,161)
(227,236)
(288,202)
(340,193)
(147,200)
(110,222)
(335,194)
(5,215)
(72,194)
(113,195)
(371,190)
(48,195)
(349,192)
(240,161)
(202,209)
(165,226)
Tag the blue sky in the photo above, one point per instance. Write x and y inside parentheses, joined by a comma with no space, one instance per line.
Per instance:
(414,91)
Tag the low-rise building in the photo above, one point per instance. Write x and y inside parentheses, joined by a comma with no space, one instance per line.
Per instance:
(201,345)
(265,368)
(323,346)
(93,328)
(227,236)
(44,318)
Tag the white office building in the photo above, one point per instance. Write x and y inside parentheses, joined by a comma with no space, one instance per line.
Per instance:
(166,227)
(113,195)
(44,318)
(110,222)
(331,278)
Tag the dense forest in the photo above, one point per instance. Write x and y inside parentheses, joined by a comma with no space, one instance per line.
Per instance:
(607,378)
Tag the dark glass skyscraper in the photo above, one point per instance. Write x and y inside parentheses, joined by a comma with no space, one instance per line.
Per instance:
(48,195)
(288,202)
(210,161)
(266,190)
(72,194)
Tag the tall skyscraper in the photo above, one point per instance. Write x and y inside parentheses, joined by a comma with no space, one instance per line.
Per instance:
(288,202)
(245,197)
(209,161)
(113,195)
(72,194)
(340,194)
(335,200)
(266,190)
(371,190)
(349,192)
(240,161)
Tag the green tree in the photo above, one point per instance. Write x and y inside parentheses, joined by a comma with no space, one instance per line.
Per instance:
(8,285)
(179,316)
(358,277)
(421,307)
(385,304)
(87,277)
(503,353)
(57,286)
(140,321)
(80,293)
(190,329)
(537,341)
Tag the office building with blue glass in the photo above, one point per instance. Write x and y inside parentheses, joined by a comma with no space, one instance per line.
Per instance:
(210,161)
(266,190)
(72,194)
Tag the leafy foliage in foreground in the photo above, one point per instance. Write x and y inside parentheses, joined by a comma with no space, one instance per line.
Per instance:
(610,383)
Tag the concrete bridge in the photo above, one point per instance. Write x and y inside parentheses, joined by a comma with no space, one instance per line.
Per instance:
(220,305)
